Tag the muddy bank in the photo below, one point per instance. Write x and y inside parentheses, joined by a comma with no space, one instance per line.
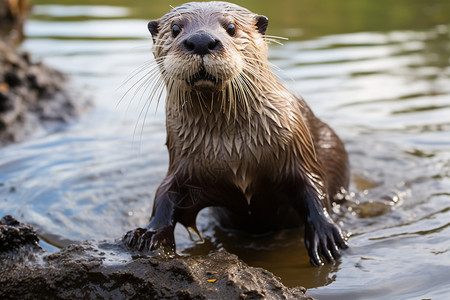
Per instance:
(33,97)
(106,270)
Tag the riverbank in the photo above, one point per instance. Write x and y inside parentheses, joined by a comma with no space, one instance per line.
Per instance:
(33,97)
(106,270)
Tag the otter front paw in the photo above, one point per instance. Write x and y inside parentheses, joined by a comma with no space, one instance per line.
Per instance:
(323,239)
(144,239)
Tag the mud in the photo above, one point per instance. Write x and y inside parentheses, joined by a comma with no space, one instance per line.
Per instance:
(33,97)
(106,270)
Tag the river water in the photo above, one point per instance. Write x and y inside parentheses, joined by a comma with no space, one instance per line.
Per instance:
(377,71)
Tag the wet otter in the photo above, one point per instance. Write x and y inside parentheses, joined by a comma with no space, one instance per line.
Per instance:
(237,139)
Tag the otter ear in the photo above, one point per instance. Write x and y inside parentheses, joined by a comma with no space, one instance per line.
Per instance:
(261,23)
(153,28)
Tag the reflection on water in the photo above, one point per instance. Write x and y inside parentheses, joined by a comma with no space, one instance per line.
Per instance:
(382,84)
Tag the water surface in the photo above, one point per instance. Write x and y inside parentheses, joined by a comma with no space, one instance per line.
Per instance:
(377,71)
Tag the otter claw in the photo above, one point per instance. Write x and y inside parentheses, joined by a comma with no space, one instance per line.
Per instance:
(131,238)
(324,242)
(143,239)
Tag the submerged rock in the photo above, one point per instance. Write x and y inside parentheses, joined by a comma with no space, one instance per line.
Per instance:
(89,270)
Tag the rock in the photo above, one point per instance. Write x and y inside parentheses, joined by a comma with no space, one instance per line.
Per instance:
(15,235)
(32,97)
(107,270)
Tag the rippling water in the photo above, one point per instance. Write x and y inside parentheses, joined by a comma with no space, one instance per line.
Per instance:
(386,93)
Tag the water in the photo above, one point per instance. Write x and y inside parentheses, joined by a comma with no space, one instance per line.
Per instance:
(377,72)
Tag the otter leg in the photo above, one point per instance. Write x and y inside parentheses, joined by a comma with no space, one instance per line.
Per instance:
(323,237)
(159,232)
(170,208)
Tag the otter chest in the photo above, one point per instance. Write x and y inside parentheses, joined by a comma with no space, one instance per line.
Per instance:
(236,150)
(231,159)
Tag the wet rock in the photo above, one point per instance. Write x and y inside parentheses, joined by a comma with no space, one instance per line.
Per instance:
(33,97)
(18,243)
(89,270)
(15,235)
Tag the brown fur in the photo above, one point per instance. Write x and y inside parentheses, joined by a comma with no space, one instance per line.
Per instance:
(242,141)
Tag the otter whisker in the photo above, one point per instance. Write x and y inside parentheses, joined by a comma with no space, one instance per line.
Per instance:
(140,69)
(244,91)
(227,95)
(274,39)
(153,64)
(265,81)
(265,65)
(144,83)
(223,99)
(268,40)
(153,70)
(255,74)
(240,96)
(157,89)
(158,46)
(232,99)
(156,81)
(201,96)
(253,88)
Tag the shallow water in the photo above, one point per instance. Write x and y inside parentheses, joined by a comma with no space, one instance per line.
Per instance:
(379,74)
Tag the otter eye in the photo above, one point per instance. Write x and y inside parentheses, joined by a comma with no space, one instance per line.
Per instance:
(176,30)
(231,29)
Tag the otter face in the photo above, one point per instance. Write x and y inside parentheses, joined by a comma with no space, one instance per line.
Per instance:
(203,46)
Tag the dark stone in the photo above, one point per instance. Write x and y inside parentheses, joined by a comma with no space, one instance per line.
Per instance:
(97,271)
(15,235)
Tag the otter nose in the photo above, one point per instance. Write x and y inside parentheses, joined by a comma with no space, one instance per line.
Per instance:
(202,43)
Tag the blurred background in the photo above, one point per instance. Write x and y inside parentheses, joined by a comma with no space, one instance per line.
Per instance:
(377,71)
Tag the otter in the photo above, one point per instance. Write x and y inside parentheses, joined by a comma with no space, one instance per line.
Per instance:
(238,140)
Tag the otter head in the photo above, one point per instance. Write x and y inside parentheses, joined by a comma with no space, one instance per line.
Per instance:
(203,46)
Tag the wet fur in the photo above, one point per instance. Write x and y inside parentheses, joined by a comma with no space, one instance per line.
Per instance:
(242,143)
